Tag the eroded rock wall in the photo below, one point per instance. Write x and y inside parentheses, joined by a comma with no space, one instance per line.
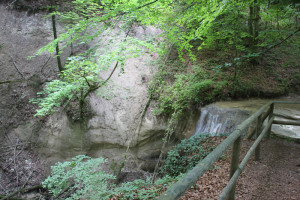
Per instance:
(115,129)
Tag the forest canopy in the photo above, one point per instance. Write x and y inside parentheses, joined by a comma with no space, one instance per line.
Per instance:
(246,30)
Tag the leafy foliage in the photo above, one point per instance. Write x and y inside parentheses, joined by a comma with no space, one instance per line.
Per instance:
(185,155)
(188,25)
(187,89)
(82,75)
(83,178)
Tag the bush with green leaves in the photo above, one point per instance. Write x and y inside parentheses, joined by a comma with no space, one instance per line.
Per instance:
(83,178)
(80,178)
(185,155)
(195,87)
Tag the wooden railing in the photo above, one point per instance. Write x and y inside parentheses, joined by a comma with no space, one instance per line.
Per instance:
(192,176)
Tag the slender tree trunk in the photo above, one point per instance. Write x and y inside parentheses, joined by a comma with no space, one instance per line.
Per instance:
(256,23)
(71,47)
(250,26)
(235,78)
(81,105)
(55,37)
(253,27)
(277,18)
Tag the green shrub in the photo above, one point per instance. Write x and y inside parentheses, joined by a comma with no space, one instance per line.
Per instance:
(186,155)
(79,179)
(144,189)
(83,178)
(195,87)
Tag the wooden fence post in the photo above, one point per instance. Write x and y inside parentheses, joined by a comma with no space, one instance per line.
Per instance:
(258,128)
(269,118)
(234,163)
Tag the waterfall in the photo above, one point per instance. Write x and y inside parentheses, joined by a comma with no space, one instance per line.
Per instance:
(216,120)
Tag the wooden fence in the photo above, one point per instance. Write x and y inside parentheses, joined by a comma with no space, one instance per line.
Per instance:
(192,176)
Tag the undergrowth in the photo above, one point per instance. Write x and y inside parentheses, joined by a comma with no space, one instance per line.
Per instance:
(176,93)
(84,177)
(185,155)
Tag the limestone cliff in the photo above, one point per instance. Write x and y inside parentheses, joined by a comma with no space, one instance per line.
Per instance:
(116,126)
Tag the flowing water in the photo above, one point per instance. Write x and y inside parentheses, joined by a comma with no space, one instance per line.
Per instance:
(223,117)
(215,120)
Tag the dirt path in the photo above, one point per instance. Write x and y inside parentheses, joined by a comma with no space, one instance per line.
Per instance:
(276,176)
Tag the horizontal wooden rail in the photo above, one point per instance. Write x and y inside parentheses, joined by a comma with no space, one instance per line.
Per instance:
(242,166)
(285,116)
(294,123)
(192,176)
(286,102)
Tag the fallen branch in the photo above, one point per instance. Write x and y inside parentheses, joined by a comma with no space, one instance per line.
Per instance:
(17,67)
(11,198)
(1,187)
(23,190)
(15,166)
(11,81)
(15,156)
(11,4)
(12,146)
(28,178)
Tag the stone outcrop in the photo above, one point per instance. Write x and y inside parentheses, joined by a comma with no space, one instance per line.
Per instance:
(117,127)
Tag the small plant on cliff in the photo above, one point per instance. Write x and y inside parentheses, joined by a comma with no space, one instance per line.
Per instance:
(187,89)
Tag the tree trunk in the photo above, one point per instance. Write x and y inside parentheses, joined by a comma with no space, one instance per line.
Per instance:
(55,37)
(81,105)
(256,23)
(253,26)
(250,26)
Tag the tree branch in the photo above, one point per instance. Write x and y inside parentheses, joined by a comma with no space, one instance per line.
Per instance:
(273,46)
(279,43)
(137,8)
(112,72)
(11,4)
(87,81)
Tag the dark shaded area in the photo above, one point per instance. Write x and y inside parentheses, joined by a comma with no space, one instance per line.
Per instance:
(27,5)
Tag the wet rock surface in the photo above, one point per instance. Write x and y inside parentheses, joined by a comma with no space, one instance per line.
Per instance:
(216,120)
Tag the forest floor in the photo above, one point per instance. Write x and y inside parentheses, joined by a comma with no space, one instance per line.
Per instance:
(275,176)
